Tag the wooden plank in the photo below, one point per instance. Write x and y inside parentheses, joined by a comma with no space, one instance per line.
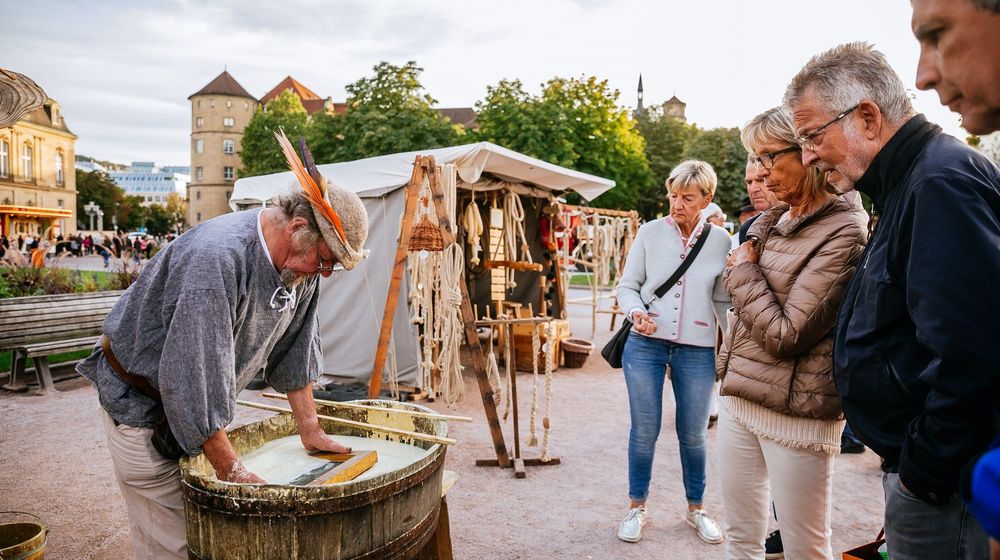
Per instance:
(516,265)
(469,320)
(351,466)
(399,266)
(61,297)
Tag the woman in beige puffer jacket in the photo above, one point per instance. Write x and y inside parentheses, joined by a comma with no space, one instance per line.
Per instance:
(780,417)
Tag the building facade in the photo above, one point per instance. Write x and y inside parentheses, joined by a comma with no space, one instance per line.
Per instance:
(153,184)
(220,112)
(37,178)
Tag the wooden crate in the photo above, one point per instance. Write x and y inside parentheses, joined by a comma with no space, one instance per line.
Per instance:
(522,345)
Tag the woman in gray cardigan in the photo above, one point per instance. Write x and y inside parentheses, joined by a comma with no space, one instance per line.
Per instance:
(677,331)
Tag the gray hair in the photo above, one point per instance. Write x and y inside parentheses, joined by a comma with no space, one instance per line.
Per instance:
(991,5)
(693,173)
(295,205)
(849,74)
(773,124)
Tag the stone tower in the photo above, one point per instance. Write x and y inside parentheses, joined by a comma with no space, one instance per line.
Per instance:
(220,112)
(674,107)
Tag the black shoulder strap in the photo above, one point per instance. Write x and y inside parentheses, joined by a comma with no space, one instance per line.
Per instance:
(665,287)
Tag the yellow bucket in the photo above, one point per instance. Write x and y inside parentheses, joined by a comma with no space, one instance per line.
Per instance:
(22,541)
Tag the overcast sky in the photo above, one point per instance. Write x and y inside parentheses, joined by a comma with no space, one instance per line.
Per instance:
(123,69)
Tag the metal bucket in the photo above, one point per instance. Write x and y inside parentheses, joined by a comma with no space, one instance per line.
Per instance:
(390,516)
(24,540)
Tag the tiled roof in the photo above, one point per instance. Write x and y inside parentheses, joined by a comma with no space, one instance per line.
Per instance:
(465,116)
(312,102)
(224,84)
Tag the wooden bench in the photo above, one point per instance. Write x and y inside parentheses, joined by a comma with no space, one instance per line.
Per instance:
(37,327)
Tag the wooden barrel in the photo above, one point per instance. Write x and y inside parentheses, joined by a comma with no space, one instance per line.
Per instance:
(389,516)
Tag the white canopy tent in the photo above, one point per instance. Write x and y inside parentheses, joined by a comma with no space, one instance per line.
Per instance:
(351,305)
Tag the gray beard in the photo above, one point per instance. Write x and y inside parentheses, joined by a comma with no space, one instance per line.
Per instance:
(291,279)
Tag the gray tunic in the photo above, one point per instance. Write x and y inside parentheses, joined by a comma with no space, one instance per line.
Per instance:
(199,323)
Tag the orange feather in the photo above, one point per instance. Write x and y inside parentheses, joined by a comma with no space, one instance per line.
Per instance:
(312,191)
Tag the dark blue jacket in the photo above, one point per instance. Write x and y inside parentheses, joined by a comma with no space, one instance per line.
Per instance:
(917,354)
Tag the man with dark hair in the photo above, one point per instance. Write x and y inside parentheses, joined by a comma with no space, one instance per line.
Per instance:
(915,367)
(231,297)
(960,57)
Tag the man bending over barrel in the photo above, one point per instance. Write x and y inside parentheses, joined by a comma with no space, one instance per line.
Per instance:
(231,297)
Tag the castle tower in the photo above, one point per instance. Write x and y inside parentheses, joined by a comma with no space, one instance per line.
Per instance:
(220,112)
(674,107)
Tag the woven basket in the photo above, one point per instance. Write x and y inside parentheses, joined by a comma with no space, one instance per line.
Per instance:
(425,236)
(576,352)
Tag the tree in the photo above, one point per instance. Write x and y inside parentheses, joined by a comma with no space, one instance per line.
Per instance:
(158,220)
(666,138)
(575,123)
(97,187)
(387,113)
(131,213)
(722,148)
(259,151)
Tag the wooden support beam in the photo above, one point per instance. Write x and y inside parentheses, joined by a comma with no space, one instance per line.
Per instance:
(398,267)
(468,319)
(516,265)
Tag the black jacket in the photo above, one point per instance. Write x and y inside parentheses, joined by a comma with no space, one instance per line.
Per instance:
(916,354)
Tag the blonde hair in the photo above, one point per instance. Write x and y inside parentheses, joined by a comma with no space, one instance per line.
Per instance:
(693,173)
(775,125)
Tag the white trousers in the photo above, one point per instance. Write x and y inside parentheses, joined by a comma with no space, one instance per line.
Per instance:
(801,485)
(151,486)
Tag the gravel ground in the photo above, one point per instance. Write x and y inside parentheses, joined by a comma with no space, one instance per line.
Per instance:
(54,464)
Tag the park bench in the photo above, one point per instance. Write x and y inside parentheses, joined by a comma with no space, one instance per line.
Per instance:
(37,327)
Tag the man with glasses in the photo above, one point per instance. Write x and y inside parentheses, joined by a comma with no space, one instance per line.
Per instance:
(231,297)
(914,357)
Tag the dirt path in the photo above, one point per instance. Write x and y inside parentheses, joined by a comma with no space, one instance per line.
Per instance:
(54,463)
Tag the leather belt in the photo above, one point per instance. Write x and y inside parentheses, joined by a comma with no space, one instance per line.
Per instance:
(140,384)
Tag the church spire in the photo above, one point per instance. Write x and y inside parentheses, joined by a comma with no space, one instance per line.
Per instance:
(639,108)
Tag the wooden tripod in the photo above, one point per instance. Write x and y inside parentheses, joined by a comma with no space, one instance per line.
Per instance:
(425,168)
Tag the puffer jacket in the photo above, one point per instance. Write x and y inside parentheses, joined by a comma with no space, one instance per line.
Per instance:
(778,351)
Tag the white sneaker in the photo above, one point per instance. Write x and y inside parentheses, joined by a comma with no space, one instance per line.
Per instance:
(707,529)
(631,528)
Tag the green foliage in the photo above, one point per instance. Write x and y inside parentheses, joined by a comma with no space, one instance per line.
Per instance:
(575,123)
(387,113)
(158,220)
(722,148)
(259,151)
(28,281)
(666,140)
(131,213)
(98,187)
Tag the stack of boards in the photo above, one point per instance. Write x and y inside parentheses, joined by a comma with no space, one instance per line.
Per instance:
(284,461)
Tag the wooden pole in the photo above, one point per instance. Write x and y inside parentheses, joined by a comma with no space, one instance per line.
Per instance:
(355,406)
(382,350)
(468,319)
(356,424)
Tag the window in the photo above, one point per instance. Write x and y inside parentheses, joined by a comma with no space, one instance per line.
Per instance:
(211,103)
(199,122)
(228,173)
(228,121)
(4,159)
(246,105)
(199,217)
(59,168)
(229,104)
(59,203)
(199,102)
(197,196)
(228,146)
(26,156)
(199,146)
(199,173)
(229,194)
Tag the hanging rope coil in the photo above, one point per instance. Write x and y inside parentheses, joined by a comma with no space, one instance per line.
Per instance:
(452,386)
(474,228)
(550,358)
(535,349)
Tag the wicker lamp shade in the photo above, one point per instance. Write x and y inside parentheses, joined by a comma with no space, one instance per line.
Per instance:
(19,95)
(426,236)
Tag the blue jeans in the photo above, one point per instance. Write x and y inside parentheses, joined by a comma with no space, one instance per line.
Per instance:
(915,530)
(692,377)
